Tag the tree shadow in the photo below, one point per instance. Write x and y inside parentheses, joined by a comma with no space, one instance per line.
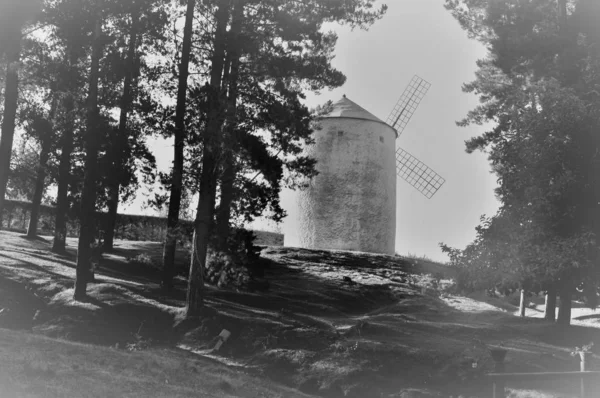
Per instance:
(35,238)
(37,267)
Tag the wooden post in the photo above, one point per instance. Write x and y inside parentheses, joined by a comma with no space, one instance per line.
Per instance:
(583,356)
(522,304)
(498,355)
(550,309)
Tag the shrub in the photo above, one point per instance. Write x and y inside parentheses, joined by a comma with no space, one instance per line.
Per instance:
(236,262)
(142,259)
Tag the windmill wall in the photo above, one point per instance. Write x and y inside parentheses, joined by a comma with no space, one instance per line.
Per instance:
(351,204)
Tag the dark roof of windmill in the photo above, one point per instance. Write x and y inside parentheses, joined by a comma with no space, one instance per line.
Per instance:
(344,108)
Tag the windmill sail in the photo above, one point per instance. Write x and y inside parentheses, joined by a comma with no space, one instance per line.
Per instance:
(408,167)
(417,173)
(408,103)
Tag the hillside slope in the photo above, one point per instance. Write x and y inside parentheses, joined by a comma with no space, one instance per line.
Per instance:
(332,324)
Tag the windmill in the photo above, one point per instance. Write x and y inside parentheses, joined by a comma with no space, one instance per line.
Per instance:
(351,203)
(408,167)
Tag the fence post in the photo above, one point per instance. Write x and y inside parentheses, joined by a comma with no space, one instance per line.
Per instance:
(498,355)
(583,356)
(522,303)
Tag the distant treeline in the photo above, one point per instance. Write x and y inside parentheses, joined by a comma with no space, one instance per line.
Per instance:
(129,227)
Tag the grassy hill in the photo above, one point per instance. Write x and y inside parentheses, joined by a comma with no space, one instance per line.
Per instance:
(332,324)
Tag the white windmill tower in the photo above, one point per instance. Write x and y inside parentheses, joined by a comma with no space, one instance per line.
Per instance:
(351,203)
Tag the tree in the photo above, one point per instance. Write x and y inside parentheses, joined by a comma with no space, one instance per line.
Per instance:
(143,24)
(92,143)
(69,35)
(535,85)
(176,182)
(120,141)
(289,33)
(210,152)
(13,17)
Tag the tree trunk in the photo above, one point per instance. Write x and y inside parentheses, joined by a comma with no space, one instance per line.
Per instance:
(24,218)
(522,304)
(224,212)
(11,96)
(64,177)
(230,141)
(39,186)
(177,175)
(208,178)
(550,310)
(88,197)
(564,308)
(114,184)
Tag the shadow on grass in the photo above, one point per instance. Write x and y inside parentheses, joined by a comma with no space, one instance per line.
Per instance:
(37,267)
(35,238)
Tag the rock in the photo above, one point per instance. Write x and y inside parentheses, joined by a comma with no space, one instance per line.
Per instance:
(349,280)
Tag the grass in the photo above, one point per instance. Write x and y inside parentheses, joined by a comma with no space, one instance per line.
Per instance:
(38,366)
(332,324)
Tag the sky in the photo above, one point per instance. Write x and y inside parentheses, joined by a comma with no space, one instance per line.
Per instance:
(414,37)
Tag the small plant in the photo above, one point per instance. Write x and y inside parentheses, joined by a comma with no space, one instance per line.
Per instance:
(344,346)
(141,259)
(583,349)
(139,343)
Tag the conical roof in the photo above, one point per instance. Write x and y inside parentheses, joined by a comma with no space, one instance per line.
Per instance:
(346,108)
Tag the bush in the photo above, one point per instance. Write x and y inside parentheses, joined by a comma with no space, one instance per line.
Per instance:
(235,264)
(142,259)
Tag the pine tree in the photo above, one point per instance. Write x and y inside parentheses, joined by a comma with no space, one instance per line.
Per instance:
(288,34)
(14,15)
(535,84)
(92,144)
(179,136)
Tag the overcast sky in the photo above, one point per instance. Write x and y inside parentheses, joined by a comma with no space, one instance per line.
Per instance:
(416,37)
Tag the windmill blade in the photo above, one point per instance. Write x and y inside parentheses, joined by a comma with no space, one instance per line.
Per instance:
(417,174)
(407,104)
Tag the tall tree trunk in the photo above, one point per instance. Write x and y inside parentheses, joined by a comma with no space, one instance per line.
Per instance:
(230,141)
(208,177)
(88,196)
(550,310)
(64,177)
(114,184)
(564,308)
(11,96)
(177,175)
(229,172)
(224,212)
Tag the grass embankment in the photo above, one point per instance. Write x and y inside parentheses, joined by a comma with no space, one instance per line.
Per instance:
(331,324)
